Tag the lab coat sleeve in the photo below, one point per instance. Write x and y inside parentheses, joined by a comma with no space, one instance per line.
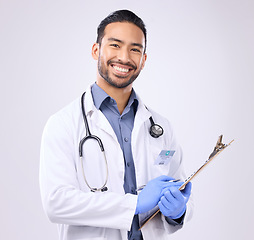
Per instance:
(62,199)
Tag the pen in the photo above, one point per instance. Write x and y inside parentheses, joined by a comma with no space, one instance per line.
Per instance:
(141,187)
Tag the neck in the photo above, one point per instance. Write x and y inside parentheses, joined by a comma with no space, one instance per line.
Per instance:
(120,95)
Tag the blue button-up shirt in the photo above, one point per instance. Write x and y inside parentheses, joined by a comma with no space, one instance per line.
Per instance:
(122,125)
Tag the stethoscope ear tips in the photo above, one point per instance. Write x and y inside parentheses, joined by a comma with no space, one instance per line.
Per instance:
(104,189)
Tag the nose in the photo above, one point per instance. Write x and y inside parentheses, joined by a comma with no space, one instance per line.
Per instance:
(124,56)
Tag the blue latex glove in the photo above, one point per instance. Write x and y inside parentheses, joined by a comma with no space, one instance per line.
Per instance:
(149,197)
(173,202)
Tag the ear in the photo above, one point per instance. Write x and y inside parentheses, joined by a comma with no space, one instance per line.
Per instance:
(144,60)
(95,51)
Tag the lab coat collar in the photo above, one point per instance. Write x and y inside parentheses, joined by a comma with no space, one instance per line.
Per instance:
(89,104)
(142,114)
(96,115)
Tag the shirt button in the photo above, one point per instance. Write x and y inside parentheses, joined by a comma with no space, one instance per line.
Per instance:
(126,139)
(132,190)
(128,164)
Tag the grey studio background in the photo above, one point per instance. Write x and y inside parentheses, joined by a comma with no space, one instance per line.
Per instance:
(199,74)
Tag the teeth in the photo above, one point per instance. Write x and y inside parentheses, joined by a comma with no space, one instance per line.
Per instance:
(125,70)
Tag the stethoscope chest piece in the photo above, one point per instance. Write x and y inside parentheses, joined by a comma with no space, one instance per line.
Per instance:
(155,130)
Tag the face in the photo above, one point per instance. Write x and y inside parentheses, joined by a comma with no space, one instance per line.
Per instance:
(121,54)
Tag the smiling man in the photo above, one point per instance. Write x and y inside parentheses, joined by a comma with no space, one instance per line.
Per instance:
(106,191)
(126,58)
(121,57)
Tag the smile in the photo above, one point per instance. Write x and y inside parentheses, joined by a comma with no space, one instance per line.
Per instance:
(121,69)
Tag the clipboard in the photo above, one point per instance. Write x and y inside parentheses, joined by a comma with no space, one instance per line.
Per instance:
(219,147)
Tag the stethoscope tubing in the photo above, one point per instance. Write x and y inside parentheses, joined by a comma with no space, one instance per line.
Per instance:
(87,137)
(155,131)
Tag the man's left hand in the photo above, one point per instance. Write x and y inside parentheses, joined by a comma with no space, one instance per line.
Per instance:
(173,202)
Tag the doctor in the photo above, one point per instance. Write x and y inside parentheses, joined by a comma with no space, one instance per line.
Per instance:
(133,157)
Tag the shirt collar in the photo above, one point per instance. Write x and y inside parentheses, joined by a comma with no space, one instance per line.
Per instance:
(100,96)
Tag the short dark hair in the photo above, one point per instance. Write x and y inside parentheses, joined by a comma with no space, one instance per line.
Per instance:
(120,16)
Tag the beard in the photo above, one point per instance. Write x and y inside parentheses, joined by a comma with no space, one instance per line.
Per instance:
(104,73)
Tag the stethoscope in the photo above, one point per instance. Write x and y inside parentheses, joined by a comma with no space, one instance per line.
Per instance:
(155,131)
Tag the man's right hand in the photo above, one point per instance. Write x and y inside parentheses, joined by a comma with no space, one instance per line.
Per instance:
(149,197)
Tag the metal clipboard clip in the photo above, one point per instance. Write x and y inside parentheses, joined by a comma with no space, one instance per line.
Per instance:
(219,147)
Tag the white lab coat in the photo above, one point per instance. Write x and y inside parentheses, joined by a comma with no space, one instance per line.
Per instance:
(82,214)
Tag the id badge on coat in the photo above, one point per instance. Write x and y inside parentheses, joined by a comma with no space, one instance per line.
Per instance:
(164,157)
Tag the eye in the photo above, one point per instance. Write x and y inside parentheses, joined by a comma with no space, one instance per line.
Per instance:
(136,50)
(114,45)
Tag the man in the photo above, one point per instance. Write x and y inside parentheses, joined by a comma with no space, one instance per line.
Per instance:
(92,197)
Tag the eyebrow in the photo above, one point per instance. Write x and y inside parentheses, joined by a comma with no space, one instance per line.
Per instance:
(120,41)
